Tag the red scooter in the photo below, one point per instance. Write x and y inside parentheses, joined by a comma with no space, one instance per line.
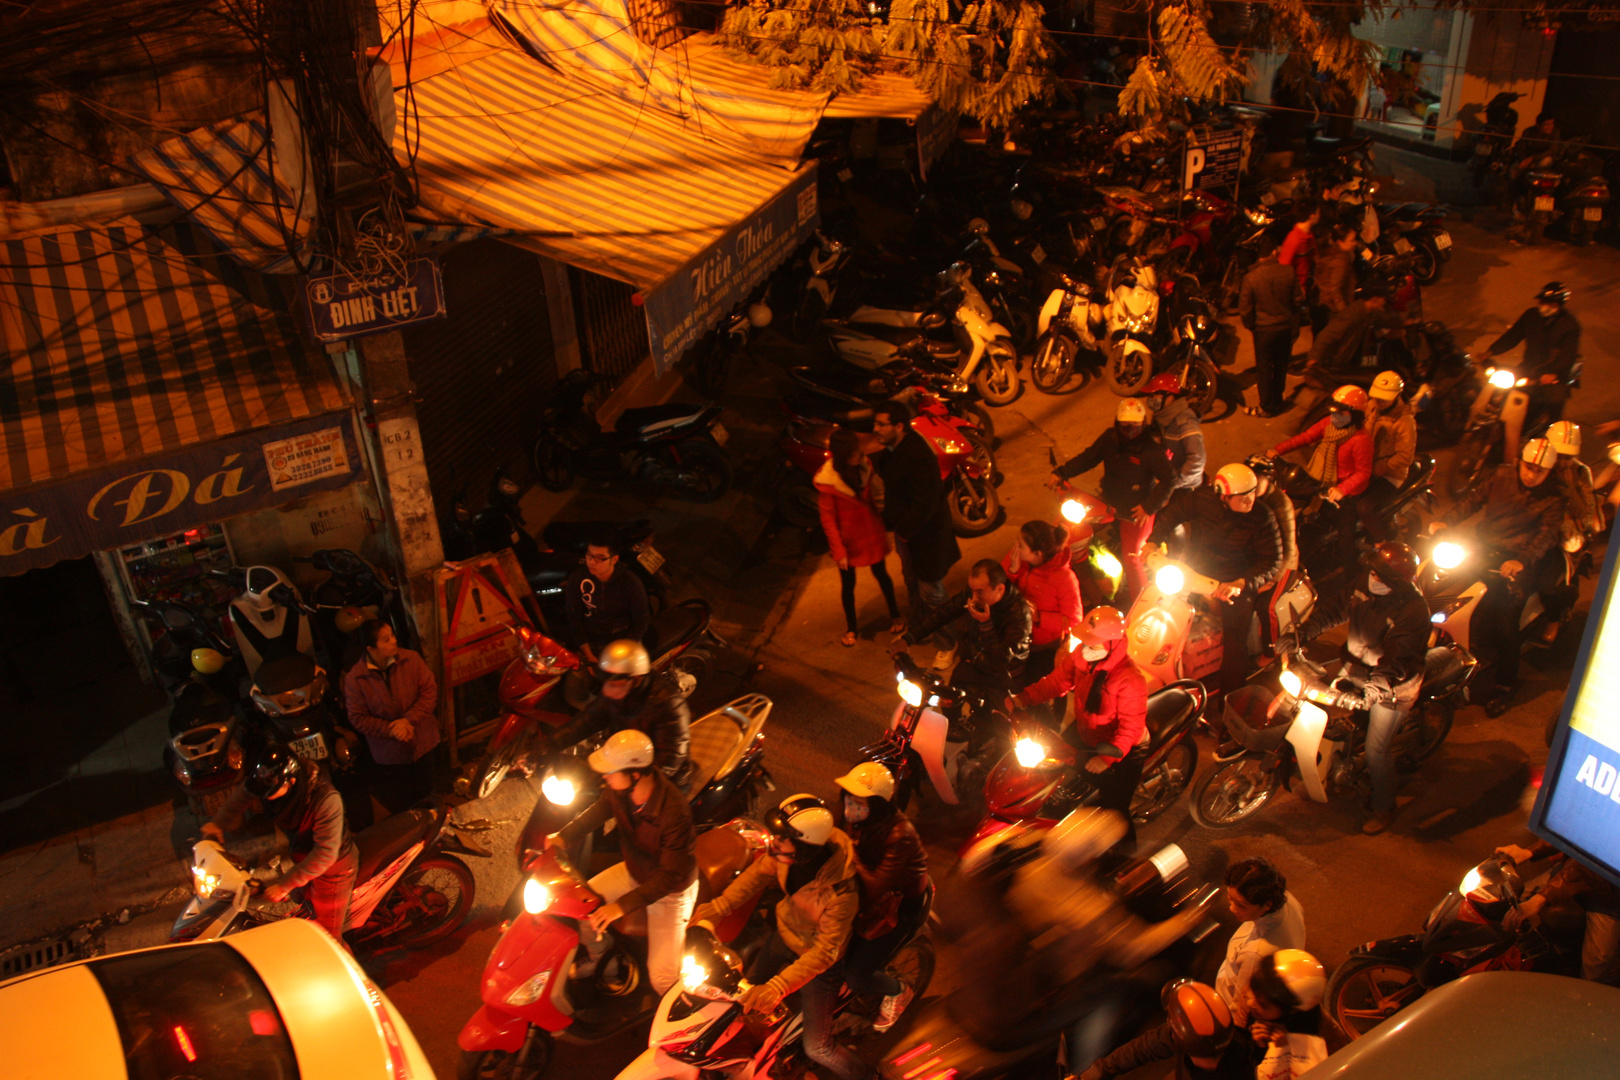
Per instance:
(529,992)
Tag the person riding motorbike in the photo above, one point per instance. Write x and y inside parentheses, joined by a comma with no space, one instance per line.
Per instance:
(297,795)
(633,697)
(813,863)
(1393,423)
(1229,543)
(1110,708)
(1178,428)
(1270,496)
(656,838)
(1040,567)
(1284,1001)
(1137,480)
(1384,653)
(1342,461)
(1522,521)
(892,866)
(1582,521)
(1552,350)
(1199,1032)
(994,647)
(1343,341)
(1595,895)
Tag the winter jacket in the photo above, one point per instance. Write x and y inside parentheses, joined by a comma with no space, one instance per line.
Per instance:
(1298,251)
(996,648)
(313,819)
(815,922)
(603,611)
(1222,543)
(1340,344)
(1136,472)
(1270,297)
(1519,522)
(1355,456)
(657,709)
(915,507)
(405,691)
(1551,346)
(889,857)
(656,839)
(1582,507)
(1387,634)
(1119,722)
(1336,279)
(1183,437)
(855,533)
(1394,434)
(1282,508)
(1053,593)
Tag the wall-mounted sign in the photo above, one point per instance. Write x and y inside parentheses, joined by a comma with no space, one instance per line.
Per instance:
(340,306)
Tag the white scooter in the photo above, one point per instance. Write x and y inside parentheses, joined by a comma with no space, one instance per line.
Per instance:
(269,618)
(1063,328)
(1130,317)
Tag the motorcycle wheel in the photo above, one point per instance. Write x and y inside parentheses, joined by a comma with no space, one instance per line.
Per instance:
(689,669)
(1472,456)
(996,379)
(1159,789)
(1234,792)
(1365,991)
(703,474)
(1426,728)
(493,767)
(553,464)
(1053,363)
(797,501)
(1425,262)
(1202,383)
(980,417)
(1126,373)
(438,891)
(913,965)
(503,1064)
(975,503)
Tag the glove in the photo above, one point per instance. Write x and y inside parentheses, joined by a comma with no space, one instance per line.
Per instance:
(763,998)
(1287,643)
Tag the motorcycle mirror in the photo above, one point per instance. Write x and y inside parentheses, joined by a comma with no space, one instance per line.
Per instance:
(932,320)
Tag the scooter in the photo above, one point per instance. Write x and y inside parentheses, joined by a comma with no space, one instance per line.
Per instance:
(1086,519)
(1484,442)
(1416,230)
(1131,316)
(827,257)
(710,361)
(938,730)
(353,592)
(531,996)
(291,706)
(410,891)
(1319,543)
(1493,141)
(669,447)
(269,618)
(1063,328)
(1454,581)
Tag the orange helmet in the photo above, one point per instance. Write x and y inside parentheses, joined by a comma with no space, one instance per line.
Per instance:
(1100,627)
(1199,1018)
(1352,397)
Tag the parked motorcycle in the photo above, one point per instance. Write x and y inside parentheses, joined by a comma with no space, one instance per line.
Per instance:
(1495,139)
(711,360)
(1585,197)
(673,447)
(1537,203)
(269,618)
(1064,329)
(827,257)
(1131,316)
(1416,230)
(353,592)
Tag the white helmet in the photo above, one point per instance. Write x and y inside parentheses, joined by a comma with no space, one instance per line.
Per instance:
(801,818)
(1131,411)
(1235,479)
(627,749)
(1079,839)
(624,657)
(1565,437)
(1292,978)
(1540,453)
(868,779)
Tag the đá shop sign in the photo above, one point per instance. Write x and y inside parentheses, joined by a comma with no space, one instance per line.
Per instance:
(341,306)
(166,493)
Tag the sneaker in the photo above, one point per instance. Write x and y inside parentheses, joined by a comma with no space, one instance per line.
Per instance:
(1376,824)
(1498,703)
(944,658)
(892,1007)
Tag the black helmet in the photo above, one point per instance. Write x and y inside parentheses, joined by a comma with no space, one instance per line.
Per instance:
(272,766)
(1393,562)
(1554,292)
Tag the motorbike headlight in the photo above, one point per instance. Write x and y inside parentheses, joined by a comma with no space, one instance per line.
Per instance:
(1449,556)
(1470,882)
(536,898)
(181,770)
(910,692)
(1029,752)
(1108,564)
(693,974)
(1291,683)
(1438,617)
(1074,511)
(558,790)
(1572,544)
(1501,378)
(203,883)
(529,992)
(1169,579)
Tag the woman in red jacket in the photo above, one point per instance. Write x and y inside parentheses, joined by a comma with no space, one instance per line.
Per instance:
(1039,565)
(1342,460)
(850,493)
(1110,707)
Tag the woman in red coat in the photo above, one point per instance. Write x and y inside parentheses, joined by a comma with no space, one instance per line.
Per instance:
(1039,565)
(850,493)
(1342,461)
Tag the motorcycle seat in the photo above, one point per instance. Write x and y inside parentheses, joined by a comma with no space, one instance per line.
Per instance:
(674,626)
(833,410)
(389,839)
(720,738)
(1443,668)
(1164,708)
(851,383)
(648,417)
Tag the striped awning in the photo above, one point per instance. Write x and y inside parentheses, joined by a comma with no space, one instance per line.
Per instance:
(123,341)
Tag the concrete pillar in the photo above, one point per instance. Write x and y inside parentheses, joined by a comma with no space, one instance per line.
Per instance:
(560,310)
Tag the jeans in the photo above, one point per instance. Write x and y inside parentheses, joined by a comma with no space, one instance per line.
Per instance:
(846,592)
(925,596)
(329,894)
(1273,349)
(1383,721)
(666,925)
(817,1000)
(866,959)
(1236,615)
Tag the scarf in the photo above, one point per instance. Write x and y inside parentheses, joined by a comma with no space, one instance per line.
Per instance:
(1324,463)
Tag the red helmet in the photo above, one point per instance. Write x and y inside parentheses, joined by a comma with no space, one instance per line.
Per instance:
(1165,383)
(1100,627)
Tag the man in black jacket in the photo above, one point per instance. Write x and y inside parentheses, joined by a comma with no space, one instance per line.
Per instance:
(995,645)
(636,699)
(915,510)
(603,603)
(1269,304)
(1340,345)
(1552,346)
(1384,653)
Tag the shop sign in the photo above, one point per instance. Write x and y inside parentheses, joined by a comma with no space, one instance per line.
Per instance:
(703,291)
(341,306)
(1215,161)
(167,493)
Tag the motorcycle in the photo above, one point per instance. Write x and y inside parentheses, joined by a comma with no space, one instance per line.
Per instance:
(1537,205)
(1284,733)
(1416,230)
(1063,328)
(1131,316)
(1085,519)
(827,258)
(1585,195)
(291,707)
(269,618)
(1454,581)
(1463,935)
(353,592)
(1318,542)
(937,729)
(1482,445)
(410,892)
(712,358)
(1038,781)
(669,447)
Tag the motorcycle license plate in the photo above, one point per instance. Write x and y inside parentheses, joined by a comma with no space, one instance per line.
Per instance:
(1544,202)
(1038,253)
(1482,149)
(1403,245)
(310,746)
(1097,224)
(1442,241)
(720,433)
(650,559)
(1593,213)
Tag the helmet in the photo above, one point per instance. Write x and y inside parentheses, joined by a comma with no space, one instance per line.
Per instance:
(1101,626)
(1235,479)
(1540,453)
(625,658)
(759,315)
(1351,397)
(349,619)
(978,226)
(261,582)
(1131,411)
(1199,1018)
(868,779)
(1565,437)
(1292,978)
(629,749)
(1392,561)
(1081,838)
(271,766)
(1554,292)
(801,818)
(1387,386)
(207,661)
(1164,384)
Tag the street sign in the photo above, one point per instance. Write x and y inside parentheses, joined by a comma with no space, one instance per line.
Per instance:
(341,306)
(1213,160)
(479,601)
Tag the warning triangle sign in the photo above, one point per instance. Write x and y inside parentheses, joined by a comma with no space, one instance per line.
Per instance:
(480,609)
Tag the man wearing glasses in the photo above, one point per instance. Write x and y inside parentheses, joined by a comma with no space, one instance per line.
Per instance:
(603,604)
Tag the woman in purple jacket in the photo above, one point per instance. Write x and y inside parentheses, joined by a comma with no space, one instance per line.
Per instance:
(390,694)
